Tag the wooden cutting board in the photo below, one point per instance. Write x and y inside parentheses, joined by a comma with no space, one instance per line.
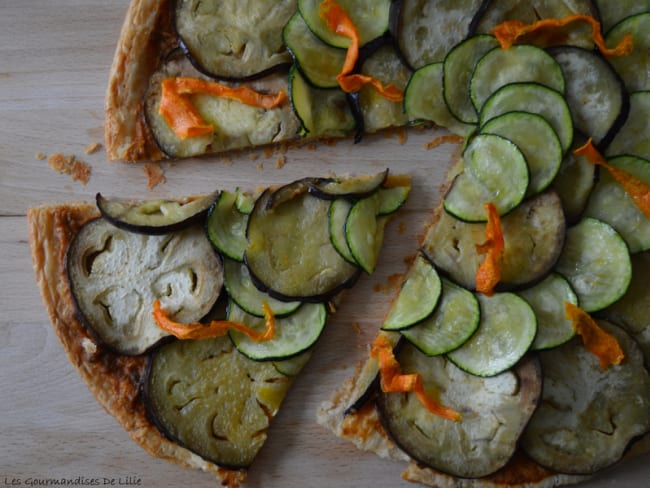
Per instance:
(54,60)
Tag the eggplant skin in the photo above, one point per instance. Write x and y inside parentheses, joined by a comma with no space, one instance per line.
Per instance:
(589,416)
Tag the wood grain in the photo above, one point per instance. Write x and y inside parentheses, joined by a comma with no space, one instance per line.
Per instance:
(54,60)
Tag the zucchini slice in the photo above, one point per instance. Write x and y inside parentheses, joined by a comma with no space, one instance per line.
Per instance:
(154,217)
(364,232)
(520,63)
(391,199)
(533,234)
(211,399)
(423,100)
(243,292)
(294,334)
(495,171)
(594,91)
(293,365)
(495,411)
(322,112)
(610,203)
(234,39)
(634,68)
(536,140)
(290,255)
(457,75)
(226,226)
(588,416)
(452,323)
(505,332)
(632,138)
(338,216)
(350,187)
(370,17)
(596,262)
(417,297)
(116,275)
(319,63)
(547,298)
(534,98)
(426,30)
(611,13)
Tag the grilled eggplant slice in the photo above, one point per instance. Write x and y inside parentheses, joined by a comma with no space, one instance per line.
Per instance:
(234,39)
(494,412)
(533,234)
(154,217)
(211,399)
(588,415)
(116,275)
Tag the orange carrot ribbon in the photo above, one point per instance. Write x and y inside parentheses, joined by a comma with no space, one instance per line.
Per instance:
(508,32)
(179,112)
(339,22)
(600,343)
(392,380)
(488,274)
(638,191)
(215,328)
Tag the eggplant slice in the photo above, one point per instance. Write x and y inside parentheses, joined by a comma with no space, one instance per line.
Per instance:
(116,275)
(234,39)
(494,412)
(213,400)
(588,415)
(533,234)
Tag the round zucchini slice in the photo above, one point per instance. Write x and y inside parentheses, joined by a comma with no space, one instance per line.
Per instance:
(226,227)
(211,399)
(454,320)
(234,39)
(533,234)
(417,297)
(338,216)
(632,138)
(289,254)
(154,217)
(518,64)
(494,412)
(611,13)
(633,67)
(596,262)
(547,298)
(505,333)
(116,275)
(495,171)
(294,334)
(610,203)
(588,416)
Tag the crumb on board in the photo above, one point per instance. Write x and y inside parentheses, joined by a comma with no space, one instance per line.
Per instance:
(446,139)
(393,284)
(93,147)
(281,161)
(356,327)
(154,173)
(260,166)
(401,228)
(70,165)
(40,156)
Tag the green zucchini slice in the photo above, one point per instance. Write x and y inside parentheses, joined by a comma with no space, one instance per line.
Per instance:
(428,29)
(338,216)
(534,98)
(505,333)
(547,298)
(611,13)
(423,100)
(495,171)
(211,399)
(586,405)
(457,75)
(319,63)
(364,232)
(610,203)
(234,39)
(452,323)
(290,255)
(634,67)
(154,217)
(294,334)
(243,292)
(293,365)
(417,298)
(370,17)
(226,226)
(391,199)
(596,262)
(519,64)
(632,138)
(494,412)
(536,140)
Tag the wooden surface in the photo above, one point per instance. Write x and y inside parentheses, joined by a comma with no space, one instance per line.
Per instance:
(54,59)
